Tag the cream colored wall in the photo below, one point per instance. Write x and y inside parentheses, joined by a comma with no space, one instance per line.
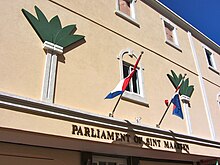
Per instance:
(91,70)
(21,154)
(22,56)
(212,92)
(206,72)
(211,82)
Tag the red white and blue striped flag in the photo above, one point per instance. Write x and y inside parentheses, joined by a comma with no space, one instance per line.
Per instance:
(122,85)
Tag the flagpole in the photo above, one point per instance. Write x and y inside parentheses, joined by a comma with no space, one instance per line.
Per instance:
(113,111)
(158,125)
(112,114)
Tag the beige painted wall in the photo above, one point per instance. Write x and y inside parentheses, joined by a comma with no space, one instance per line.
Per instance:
(91,70)
(22,56)
(212,92)
(206,72)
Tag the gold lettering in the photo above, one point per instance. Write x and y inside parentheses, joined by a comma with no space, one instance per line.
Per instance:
(166,144)
(103,135)
(110,135)
(98,133)
(116,136)
(87,131)
(80,131)
(75,128)
(93,134)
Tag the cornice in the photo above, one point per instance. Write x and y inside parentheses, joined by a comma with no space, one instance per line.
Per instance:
(31,106)
(165,11)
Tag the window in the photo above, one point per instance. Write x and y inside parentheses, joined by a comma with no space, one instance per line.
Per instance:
(126,10)
(210,59)
(101,160)
(170,31)
(134,82)
(218,100)
(135,90)
(124,7)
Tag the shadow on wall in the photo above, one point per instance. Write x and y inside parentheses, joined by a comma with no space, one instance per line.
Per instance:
(149,141)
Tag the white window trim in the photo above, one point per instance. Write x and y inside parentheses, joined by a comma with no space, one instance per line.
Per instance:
(132,19)
(174,44)
(118,161)
(218,100)
(213,68)
(130,96)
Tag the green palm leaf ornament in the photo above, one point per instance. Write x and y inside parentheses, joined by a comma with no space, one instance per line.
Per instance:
(52,30)
(185,88)
(55,39)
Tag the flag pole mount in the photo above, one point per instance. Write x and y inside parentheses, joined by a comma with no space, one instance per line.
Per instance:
(113,111)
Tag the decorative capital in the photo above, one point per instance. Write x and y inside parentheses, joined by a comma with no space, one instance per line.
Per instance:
(185,88)
(53,47)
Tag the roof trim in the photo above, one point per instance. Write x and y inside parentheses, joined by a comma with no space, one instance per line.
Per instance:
(171,15)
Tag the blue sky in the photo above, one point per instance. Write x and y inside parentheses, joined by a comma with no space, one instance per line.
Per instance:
(202,14)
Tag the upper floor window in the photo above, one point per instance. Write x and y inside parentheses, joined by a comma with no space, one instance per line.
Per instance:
(126,10)
(170,31)
(124,6)
(210,59)
(133,86)
(218,99)
(135,90)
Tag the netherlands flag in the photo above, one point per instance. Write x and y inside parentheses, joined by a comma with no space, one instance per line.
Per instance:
(122,85)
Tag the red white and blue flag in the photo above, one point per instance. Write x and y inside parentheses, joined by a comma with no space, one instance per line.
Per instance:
(122,85)
(177,110)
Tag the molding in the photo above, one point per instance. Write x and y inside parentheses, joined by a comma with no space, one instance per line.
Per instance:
(132,18)
(127,18)
(135,98)
(27,105)
(49,80)
(202,87)
(214,67)
(187,118)
(130,96)
(214,70)
(174,44)
(56,49)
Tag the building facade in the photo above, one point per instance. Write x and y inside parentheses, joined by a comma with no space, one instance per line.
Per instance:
(61,58)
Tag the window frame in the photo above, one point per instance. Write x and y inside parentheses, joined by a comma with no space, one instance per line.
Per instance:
(130,68)
(118,161)
(218,100)
(127,95)
(213,65)
(175,42)
(132,18)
